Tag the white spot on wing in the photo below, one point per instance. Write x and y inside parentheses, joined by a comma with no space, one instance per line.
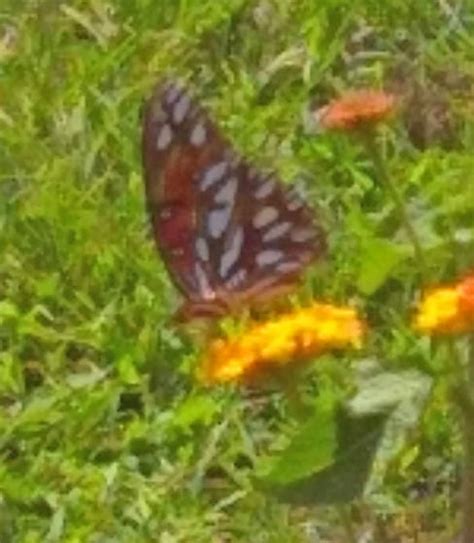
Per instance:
(202,249)
(270,256)
(294,205)
(165,135)
(301,235)
(171,94)
(203,282)
(213,174)
(265,189)
(226,194)
(276,231)
(181,108)
(287,267)
(158,115)
(265,216)
(237,279)
(198,134)
(165,214)
(295,197)
(230,257)
(218,220)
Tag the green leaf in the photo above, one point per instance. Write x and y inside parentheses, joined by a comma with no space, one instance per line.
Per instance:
(404,394)
(405,391)
(378,257)
(56,527)
(368,431)
(127,370)
(195,409)
(8,311)
(345,479)
(86,379)
(311,449)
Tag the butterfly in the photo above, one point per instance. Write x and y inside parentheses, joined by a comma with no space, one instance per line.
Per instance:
(229,234)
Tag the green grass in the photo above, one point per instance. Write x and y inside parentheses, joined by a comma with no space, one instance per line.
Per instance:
(104,435)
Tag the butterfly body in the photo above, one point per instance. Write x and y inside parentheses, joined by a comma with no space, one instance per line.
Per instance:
(229,235)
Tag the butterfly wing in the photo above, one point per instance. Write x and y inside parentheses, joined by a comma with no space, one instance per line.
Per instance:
(172,159)
(227,232)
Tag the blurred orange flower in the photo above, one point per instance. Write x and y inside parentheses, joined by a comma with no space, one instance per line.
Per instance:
(447,310)
(466,295)
(289,338)
(356,109)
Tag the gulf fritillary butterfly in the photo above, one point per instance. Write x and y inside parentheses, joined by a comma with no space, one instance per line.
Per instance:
(229,235)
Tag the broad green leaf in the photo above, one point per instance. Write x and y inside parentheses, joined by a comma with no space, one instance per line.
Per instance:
(8,311)
(310,450)
(127,370)
(370,430)
(378,392)
(404,395)
(345,479)
(195,409)
(378,257)
(86,379)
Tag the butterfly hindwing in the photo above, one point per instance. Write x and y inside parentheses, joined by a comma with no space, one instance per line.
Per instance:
(256,232)
(225,230)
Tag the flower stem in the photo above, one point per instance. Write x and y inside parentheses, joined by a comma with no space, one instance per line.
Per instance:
(390,187)
(468,443)
(464,400)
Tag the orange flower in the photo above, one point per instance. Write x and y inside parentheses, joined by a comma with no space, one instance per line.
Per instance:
(447,310)
(466,294)
(291,337)
(356,109)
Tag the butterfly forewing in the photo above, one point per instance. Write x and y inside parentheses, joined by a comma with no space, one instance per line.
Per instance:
(227,232)
(173,155)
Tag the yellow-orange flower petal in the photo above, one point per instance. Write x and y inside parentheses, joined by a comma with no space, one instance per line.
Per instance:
(289,338)
(446,310)
(356,109)
(466,293)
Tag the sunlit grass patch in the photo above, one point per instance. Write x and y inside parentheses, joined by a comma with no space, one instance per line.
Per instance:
(104,433)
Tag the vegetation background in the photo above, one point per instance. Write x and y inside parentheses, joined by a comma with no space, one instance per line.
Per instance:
(104,435)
